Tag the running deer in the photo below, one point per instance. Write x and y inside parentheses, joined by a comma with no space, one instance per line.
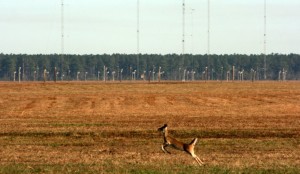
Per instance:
(170,141)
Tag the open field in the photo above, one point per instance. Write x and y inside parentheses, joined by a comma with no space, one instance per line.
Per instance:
(112,128)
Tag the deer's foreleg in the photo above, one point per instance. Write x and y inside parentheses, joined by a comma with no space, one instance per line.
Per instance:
(163,148)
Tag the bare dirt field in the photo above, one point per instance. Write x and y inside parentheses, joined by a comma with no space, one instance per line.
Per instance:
(112,128)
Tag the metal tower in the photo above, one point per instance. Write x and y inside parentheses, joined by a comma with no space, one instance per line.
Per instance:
(62,39)
(138,37)
(265,40)
(208,32)
(183,30)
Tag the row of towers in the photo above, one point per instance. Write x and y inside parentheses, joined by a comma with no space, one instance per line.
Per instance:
(183,34)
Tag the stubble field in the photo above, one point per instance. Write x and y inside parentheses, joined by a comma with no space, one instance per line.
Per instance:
(112,128)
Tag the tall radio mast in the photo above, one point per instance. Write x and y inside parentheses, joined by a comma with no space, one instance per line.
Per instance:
(208,32)
(265,40)
(138,37)
(62,38)
(183,30)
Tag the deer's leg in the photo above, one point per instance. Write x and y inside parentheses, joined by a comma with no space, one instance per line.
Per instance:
(163,148)
(198,160)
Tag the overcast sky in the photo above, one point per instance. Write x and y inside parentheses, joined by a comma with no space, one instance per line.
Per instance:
(98,26)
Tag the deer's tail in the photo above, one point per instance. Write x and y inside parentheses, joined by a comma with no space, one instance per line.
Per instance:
(194,141)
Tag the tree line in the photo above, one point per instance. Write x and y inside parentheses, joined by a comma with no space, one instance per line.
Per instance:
(148,67)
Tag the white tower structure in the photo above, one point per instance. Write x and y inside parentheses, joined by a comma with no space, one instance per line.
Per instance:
(183,30)
(138,37)
(265,40)
(62,38)
(208,32)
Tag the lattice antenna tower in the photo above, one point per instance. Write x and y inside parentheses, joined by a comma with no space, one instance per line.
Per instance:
(208,32)
(138,37)
(183,30)
(62,39)
(265,39)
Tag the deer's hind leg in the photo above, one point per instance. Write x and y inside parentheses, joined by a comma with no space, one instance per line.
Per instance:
(199,161)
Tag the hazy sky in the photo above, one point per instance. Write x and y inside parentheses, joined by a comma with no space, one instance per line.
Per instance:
(98,26)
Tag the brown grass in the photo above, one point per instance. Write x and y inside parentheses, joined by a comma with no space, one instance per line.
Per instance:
(110,126)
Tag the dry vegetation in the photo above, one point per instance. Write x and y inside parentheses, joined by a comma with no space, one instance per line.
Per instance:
(103,128)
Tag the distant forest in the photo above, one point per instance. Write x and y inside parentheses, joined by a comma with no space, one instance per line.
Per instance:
(150,67)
